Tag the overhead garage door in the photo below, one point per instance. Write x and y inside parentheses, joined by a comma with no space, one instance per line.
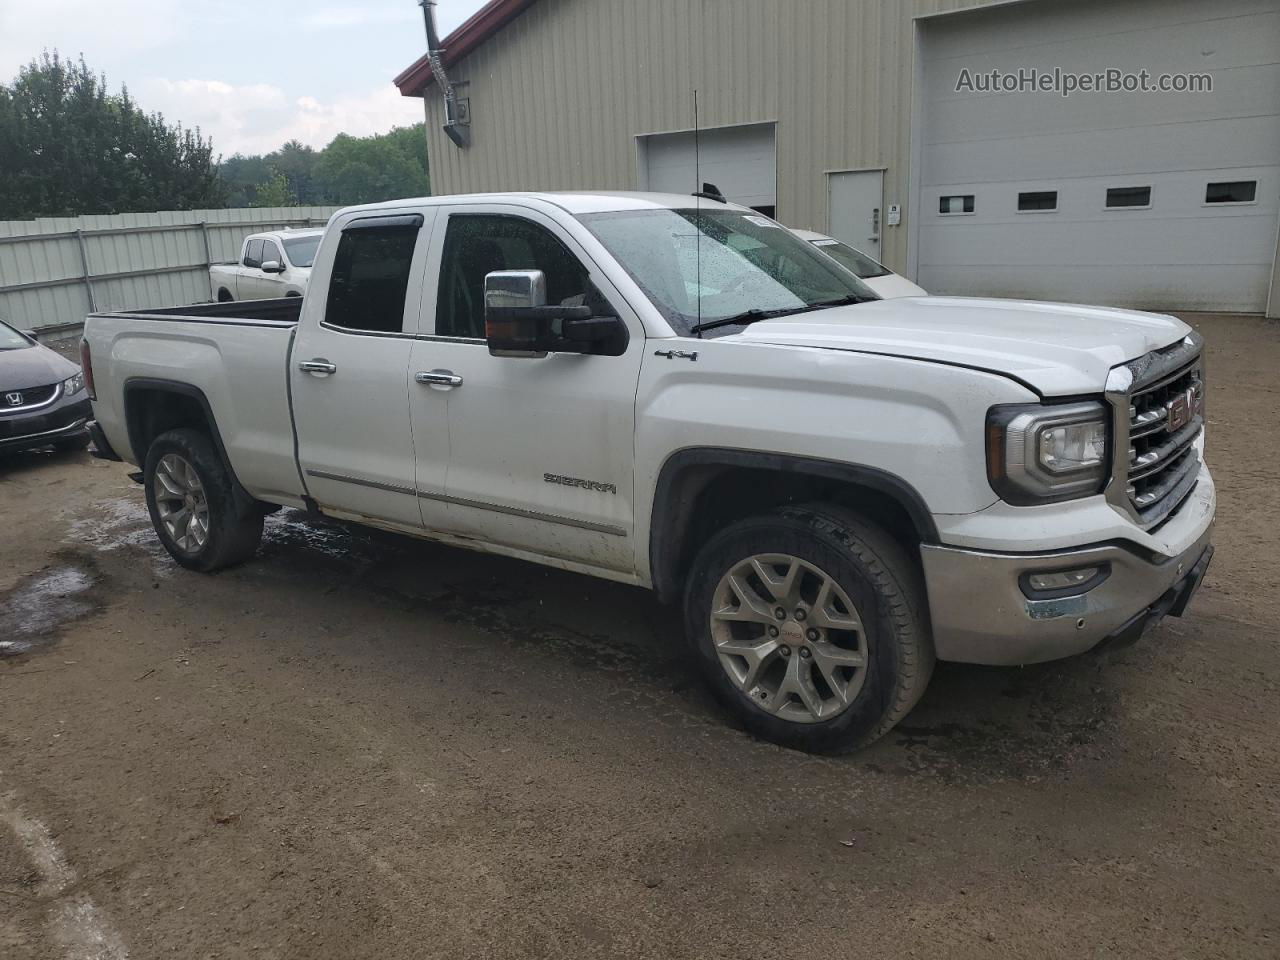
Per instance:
(739,160)
(1156,200)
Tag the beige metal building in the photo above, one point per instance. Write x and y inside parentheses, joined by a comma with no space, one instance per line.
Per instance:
(851,117)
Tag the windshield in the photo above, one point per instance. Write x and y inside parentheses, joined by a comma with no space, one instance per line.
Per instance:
(11,339)
(302,250)
(855,260)
(701,266)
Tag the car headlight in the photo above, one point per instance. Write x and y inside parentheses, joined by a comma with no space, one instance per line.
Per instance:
(73,385)
(1041,454)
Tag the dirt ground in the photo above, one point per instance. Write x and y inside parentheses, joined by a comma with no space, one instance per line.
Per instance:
(359,745)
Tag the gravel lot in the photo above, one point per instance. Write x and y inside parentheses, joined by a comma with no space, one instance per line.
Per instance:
(364,746)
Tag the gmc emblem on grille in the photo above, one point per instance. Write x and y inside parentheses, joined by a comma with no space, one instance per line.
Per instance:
(1182,407)
(13,399)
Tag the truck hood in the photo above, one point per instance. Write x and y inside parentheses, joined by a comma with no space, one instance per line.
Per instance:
(1056,348)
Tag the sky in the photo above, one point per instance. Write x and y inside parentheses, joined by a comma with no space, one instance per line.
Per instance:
(250,75)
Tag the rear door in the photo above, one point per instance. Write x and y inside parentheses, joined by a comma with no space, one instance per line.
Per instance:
(540,453)
(350,370)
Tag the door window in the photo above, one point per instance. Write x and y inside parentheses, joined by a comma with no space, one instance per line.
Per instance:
(371,274)
(253,253)
(271,252)
(479,244)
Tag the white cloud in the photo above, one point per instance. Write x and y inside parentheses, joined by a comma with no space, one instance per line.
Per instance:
(75,27)
(258,118)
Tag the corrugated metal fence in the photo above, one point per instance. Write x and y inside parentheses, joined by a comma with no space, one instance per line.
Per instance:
(55,270)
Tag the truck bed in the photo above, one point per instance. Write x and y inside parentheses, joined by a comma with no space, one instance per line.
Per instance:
(281,310)
(232,358)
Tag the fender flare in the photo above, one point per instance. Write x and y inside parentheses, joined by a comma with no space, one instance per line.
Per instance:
(195,393)
(671,502)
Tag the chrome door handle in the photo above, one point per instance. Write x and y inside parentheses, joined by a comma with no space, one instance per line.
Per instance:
(439,379)
(318,366)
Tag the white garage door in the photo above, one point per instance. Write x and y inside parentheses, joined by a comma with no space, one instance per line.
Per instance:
(1156,200)
(739,160)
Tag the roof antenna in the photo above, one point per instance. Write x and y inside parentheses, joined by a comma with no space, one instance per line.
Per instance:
(697,227)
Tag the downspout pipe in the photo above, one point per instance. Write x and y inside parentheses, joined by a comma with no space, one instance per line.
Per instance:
(456,127)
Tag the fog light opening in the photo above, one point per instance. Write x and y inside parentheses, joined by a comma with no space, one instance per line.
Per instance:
(1072,582)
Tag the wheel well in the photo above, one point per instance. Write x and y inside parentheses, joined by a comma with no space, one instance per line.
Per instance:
(696,501)
(224,295)
(152,407)
(150,411)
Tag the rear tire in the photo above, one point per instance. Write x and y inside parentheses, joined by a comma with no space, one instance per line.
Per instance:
(193,506)
(810,626)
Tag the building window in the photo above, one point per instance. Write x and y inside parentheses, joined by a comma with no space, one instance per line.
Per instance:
(371,274)
(962,203)
(1234,191)
(1128,196)
(1038,201)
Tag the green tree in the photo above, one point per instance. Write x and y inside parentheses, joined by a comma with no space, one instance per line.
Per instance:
(274,193)
(68,146)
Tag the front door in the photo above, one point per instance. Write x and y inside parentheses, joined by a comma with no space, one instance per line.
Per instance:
(540,450)
(350,372)
(857,209)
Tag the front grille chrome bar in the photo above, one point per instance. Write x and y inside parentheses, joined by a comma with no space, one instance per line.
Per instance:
(1157,419)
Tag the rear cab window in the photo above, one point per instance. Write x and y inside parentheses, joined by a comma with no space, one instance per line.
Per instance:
(253,253)
(371,272)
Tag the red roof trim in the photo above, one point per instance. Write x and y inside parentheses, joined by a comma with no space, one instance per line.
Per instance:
(488,20)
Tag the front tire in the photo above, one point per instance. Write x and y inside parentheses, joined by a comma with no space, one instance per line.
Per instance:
(193,506)
(809,625)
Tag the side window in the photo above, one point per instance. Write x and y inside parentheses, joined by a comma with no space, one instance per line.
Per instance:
(253,254)
(271,252)
(479,244)
(371,274)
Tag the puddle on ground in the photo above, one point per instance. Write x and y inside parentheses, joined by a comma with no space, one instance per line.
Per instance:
(119,523)
(34,611)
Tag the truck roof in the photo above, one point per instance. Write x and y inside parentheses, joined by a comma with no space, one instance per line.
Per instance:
(572,201)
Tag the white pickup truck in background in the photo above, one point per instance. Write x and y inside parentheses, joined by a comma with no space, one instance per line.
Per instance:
(273,264)
(685,396)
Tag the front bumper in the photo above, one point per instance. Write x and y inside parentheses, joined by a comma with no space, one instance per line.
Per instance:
(65,419)
(981,611)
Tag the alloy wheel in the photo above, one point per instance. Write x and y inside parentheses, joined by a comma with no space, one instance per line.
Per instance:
(789,637)
(181,503)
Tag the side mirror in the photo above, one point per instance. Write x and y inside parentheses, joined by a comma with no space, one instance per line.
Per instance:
(519,323)
(272,266)
(29,333)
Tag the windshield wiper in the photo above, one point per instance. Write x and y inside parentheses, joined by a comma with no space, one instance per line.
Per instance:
(844,301)
(738,319)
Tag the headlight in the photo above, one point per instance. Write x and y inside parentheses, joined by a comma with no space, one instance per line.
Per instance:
(1039,454)
(73,385)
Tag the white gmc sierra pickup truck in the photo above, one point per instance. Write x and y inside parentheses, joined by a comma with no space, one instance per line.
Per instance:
(682,395)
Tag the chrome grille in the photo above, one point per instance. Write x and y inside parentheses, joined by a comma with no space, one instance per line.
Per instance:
(1165,414)
(30,397)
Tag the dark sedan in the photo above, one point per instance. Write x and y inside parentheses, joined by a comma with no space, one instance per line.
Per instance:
(43,401)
